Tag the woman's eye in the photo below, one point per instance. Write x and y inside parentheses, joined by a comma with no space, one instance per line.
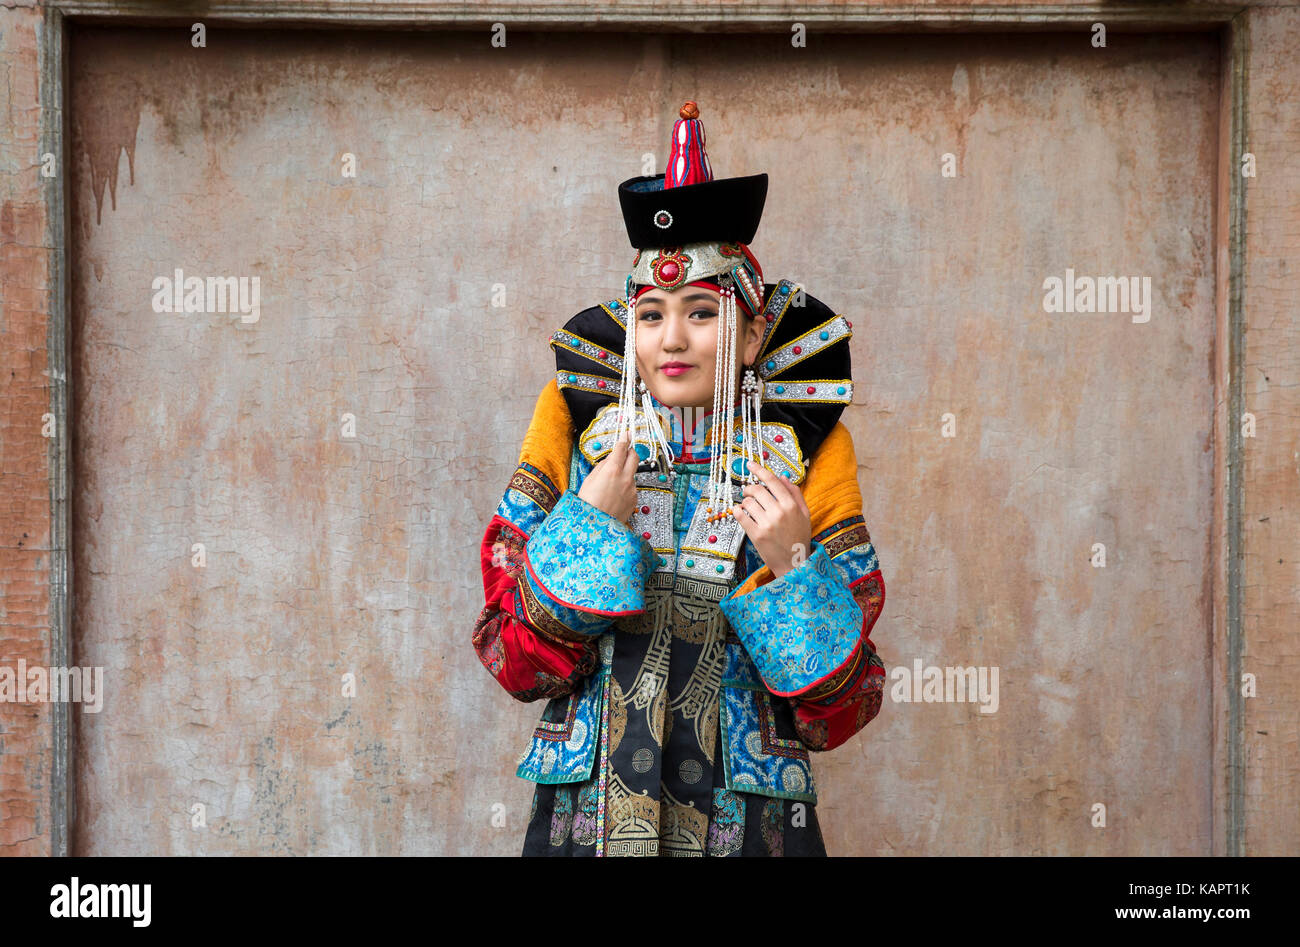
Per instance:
(704,312)
(646,316)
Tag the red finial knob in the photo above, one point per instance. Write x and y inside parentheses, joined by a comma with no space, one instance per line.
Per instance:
(689,110)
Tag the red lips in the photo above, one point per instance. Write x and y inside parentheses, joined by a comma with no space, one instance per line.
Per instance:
(675,368)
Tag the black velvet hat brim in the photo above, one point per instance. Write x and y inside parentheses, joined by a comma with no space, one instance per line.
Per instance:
(726,210)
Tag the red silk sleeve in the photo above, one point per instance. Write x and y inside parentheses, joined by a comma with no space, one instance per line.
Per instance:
(531,657)
(829,721)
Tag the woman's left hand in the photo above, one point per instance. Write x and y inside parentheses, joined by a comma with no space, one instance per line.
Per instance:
(776,519)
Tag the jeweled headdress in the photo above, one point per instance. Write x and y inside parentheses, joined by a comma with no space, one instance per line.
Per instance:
(688,227)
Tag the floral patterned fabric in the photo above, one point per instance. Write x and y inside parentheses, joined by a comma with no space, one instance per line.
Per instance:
(583,560)
(799,628)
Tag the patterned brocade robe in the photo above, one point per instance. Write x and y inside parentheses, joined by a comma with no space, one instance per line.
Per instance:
(685,685)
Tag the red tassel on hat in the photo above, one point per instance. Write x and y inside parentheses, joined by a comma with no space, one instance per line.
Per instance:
(688,163)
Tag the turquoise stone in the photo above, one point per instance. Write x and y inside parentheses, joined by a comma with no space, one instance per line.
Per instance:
(840,389)
(771,365)
(572,379)
(720,567)
(663,477)
(825,335)
(596,445)
(690,563)
(738,466)
(780,389)
(642,451)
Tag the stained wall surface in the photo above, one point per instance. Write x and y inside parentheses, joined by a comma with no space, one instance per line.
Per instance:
(335,462)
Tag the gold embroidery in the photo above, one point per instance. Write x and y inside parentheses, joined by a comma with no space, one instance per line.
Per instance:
(530,486)
(684,827)
(633,821)
(544,621)
(698,700)
(617,714)
(651,682)
(846,539)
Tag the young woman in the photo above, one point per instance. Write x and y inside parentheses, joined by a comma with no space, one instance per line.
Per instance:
(680,563)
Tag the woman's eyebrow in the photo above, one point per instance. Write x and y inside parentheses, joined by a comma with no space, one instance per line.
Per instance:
(656,301)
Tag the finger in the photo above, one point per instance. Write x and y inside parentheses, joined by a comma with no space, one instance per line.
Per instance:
(630,461)
(745,518)
(795,494)
(742,517)
(754,511)
(771,481)
(616,455)
(758,493)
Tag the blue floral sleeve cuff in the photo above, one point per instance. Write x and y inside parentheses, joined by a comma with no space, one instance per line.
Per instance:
(800,628)
(586,567)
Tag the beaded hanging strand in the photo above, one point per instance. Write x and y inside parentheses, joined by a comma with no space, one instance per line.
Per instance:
(661,444)
(627,392)
(751,404)
(729,401)
(718,362)
(724,391)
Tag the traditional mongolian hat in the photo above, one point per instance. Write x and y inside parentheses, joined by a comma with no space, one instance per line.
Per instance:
(689,228)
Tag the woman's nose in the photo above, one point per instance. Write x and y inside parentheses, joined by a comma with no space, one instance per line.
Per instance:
(674,333)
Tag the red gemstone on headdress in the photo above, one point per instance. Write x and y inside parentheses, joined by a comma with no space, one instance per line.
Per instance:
(798,349)
(600,383)
(602,354)
(779,438)
(713,539)
(669,272)
(765,455)
(645,535)
(812,390)
(645,509)
(771,318)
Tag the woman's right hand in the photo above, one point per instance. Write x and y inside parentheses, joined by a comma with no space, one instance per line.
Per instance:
(611,485)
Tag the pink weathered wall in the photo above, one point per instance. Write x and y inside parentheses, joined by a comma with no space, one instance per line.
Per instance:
(26,742)
(477,166)
(1271,459)
(480,166)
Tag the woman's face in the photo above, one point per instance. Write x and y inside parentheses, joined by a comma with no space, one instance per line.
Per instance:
(679,327)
